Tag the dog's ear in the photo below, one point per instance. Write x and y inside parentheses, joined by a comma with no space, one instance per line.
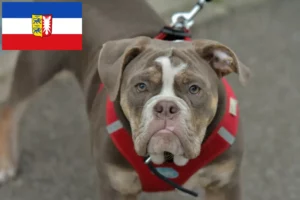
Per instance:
(113,58)
(222,59)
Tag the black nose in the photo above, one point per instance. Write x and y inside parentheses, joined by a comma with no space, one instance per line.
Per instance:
(166,109)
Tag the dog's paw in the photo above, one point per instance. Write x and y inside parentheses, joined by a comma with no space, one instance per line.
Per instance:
(7,173)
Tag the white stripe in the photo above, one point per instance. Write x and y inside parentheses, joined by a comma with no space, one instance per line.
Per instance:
(169,72)
(178,40)
(60,26)
(113,127)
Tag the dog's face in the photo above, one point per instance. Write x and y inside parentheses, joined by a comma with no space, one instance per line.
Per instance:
(169,101)
(168,92)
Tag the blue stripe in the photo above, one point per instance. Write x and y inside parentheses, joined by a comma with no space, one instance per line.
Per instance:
(27,9)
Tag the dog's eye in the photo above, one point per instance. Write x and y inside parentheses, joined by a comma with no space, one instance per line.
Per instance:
(141,87)
(194,89)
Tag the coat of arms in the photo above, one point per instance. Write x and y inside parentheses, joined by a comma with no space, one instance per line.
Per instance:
(41,25)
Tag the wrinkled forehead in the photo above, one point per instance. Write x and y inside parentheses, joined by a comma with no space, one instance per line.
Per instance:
(169,65)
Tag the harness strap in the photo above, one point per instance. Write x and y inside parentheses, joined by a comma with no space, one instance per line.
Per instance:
(219,141)
(170,34)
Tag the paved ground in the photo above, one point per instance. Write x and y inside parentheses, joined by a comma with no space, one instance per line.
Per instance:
(56,162)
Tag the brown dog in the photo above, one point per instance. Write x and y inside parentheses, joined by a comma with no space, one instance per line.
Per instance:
(169,97)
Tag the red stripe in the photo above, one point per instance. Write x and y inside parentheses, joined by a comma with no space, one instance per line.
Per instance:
(31,42)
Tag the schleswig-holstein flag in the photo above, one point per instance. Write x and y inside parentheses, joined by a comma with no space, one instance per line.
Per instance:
(41,25)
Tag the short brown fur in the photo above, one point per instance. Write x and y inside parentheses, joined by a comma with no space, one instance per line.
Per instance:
(118,58)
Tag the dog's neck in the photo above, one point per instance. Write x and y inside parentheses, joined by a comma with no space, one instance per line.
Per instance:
(121,115)
(220,110)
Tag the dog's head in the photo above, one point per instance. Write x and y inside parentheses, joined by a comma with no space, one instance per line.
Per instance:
(168,91)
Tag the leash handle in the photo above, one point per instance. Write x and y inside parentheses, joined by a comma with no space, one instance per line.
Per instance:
(184,20)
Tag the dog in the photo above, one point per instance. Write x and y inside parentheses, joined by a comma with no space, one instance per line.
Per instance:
(168,96)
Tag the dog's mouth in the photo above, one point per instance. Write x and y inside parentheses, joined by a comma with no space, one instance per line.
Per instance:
(165,147)
(169,157)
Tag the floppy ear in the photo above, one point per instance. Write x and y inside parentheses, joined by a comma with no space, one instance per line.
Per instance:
(113,58)
(222,59)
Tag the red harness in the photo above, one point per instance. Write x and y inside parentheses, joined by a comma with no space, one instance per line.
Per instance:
(219,141)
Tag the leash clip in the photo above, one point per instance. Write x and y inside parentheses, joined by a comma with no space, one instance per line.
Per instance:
(185,20)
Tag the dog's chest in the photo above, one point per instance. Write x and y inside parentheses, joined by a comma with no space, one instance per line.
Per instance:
(211,177)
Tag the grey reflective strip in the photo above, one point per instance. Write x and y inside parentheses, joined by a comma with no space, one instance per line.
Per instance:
(113,127)
(226,135)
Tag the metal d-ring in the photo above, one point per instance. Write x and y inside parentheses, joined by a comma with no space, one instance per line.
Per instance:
(185,19)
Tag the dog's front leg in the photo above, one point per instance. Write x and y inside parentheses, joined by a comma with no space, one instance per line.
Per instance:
(129,197)
(226,193)
(112,194)
(230,191)
(117,184)
(107,192)
(125,182)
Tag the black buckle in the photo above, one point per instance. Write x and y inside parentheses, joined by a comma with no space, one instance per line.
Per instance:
(175,34)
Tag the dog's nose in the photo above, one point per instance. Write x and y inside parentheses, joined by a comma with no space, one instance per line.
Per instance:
(166,109)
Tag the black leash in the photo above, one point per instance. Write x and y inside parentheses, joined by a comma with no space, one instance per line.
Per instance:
(178,187)
(178,30)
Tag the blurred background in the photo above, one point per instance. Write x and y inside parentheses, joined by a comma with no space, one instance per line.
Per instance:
(265,34)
